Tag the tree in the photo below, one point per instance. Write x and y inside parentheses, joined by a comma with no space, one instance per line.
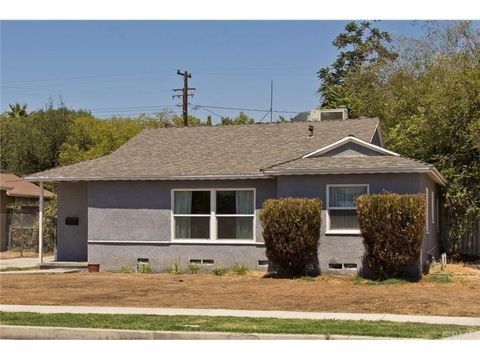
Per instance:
(428,102)
(17,110)
(240,119)
(31,144)
(361,44)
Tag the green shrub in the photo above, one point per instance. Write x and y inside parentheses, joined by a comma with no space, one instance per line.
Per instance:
(144,268)
(194,268)
(392,227)
(126,270)
(219,271)
(238,269)
(291,230)
(175,269)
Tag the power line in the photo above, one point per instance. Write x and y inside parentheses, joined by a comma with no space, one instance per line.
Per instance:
(91,76)
(247,109)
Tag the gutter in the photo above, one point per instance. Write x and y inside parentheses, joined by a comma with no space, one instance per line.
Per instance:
(434,173)
(146,178)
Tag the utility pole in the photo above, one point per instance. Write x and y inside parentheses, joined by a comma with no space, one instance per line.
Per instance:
(186,75)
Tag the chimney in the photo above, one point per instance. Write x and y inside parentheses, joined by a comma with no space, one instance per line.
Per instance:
(310,130)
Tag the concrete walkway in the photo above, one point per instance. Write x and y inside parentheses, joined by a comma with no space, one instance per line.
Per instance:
(22,262)
(47,309)
(40,271)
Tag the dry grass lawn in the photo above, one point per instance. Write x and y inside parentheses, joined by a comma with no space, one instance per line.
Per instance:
(456,294)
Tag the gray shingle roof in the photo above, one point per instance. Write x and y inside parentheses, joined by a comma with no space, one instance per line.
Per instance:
(213,151)
(340,163)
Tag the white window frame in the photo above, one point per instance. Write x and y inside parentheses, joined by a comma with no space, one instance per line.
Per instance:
(330,231)
(213,218)
(432,203)
(427,211)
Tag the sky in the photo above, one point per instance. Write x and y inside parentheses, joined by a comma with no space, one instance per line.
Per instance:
(129,67)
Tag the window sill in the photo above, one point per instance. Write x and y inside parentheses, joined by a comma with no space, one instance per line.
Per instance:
(343,232)
(215,242)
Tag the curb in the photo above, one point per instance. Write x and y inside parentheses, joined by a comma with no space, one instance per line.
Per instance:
(65,333)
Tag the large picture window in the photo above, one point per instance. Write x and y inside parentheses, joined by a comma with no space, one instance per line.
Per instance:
(213,214)
(342,208)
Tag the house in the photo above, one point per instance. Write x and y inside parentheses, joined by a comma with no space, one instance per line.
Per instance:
(16,190)
(193,194)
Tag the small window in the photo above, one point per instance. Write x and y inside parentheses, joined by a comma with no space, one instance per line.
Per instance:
(208,261)
(263,262)
(342,207)
(195,261)
(426,211)
(350,266)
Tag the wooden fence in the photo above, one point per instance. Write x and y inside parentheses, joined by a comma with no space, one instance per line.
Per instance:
(469,244)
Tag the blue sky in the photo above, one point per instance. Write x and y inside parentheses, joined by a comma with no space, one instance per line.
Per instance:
(129,67)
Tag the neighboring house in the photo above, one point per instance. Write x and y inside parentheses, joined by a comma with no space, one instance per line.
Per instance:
(16,190)
(194,194)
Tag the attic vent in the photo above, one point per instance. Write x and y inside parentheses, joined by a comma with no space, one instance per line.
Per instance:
(328,114)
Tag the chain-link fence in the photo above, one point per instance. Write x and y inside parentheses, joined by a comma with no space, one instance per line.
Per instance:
(21,230)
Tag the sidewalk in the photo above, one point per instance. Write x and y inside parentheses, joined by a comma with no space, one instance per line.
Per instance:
(22,262)
(46,309)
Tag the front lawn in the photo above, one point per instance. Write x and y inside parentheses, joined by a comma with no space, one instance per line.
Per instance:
(236,325)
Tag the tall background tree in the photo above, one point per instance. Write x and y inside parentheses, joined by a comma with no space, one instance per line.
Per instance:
(361,44)
(428,100)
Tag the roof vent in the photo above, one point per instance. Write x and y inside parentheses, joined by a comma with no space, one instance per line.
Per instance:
(328,114)
(310,130)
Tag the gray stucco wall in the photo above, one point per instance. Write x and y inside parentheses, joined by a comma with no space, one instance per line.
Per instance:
(132,220)
(343,249)
(72,239)
(432,241)
(134,214)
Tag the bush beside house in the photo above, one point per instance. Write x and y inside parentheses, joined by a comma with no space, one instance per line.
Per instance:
(392,227)
(291,230)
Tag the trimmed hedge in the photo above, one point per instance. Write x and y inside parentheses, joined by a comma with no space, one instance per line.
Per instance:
(291,230)
(392,227)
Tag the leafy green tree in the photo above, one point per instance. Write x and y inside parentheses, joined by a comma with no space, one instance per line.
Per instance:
(17,110)
(31,144)
(361,44)
(428,101)
(240,119)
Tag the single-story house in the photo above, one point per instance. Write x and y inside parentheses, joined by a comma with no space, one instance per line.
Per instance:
(14,189)
(193,194)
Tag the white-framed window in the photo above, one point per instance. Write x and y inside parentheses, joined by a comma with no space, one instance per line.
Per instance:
(342,208)
(432,204)
(427,228)
(224,215)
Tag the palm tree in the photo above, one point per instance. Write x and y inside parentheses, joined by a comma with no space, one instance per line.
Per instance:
(17,110)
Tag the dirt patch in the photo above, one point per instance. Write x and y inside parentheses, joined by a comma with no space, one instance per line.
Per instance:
(324,294)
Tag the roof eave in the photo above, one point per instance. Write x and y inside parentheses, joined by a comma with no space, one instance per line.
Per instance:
(145,178)
(434,173)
